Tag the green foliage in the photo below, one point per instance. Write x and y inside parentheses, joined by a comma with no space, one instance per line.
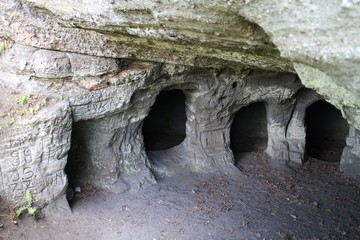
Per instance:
(20,211)
(127,81)
(27,206)
(2,46)
(22,100)
(25,104)
(28,197)
(32,211)
(5,44)
(60,97)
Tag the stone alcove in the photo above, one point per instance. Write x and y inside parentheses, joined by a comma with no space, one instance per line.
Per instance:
(76,166)
(326,131)
(163,130)
(94,157)
(164,127)
(249,129)
(115,130)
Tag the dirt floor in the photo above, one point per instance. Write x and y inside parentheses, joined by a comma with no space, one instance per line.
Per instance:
(315,201)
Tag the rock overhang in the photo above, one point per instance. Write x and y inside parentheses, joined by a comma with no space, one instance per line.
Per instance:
(202,36)
(80,54)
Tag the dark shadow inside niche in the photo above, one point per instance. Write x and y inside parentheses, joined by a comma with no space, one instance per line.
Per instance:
(249,129)
(164,127)
(326,131)
(76,167)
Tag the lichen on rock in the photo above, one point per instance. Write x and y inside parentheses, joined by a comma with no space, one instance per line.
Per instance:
(336,94)
(100,65)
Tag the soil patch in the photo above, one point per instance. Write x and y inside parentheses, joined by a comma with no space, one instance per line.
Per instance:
(314,201)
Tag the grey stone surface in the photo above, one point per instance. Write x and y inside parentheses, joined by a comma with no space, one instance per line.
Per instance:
(33,157)
(278,116)
(51,64)
(224,55)
(322,35)
(87,66)
(47,64)
(157,31)
(350,159)
(107,148)
(296,129)
(343,98)
(202,34)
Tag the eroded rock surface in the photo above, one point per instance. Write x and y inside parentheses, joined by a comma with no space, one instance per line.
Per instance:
(350,157)
(79,78)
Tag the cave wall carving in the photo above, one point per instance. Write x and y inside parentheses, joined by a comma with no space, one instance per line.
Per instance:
(96,78)
(107,117)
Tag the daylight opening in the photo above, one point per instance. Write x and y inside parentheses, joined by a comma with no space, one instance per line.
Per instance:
(326,131)
(164,127)
(249,129)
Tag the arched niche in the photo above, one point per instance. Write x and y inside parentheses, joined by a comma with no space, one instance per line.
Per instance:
(164,127)
(249,129)
(326,131)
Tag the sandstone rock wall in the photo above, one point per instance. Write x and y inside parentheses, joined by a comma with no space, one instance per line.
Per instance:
(107,150)
(77,64)
(351,153)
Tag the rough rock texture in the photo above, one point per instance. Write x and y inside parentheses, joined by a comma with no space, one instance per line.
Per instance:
(350,158)
(166,31)
(107,147)
(33,157)
(296,129)
(322,35)
(336,94)
(88,94)
(248,33)
(319,36)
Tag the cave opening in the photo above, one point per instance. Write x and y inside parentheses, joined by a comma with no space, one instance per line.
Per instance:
(164,127)
(249,129)
(78,167)
(326,131)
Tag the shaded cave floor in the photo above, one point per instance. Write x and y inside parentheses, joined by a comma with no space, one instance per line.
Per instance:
(315,201)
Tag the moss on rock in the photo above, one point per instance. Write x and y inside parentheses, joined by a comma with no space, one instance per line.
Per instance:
(334,93)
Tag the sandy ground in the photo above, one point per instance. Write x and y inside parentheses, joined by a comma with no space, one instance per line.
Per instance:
(315,201)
